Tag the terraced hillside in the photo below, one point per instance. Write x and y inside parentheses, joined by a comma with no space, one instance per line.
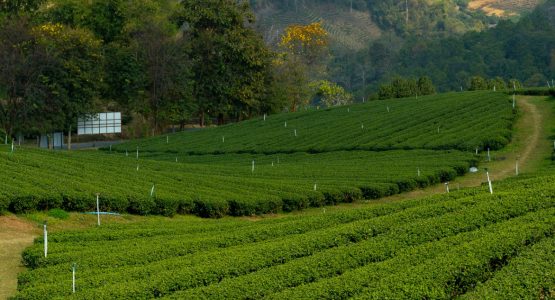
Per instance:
(321,157)
(503,8)
(462,121)
(350,29)
(467,244)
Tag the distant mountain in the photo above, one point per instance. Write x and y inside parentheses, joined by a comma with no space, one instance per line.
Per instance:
(349,28)
(352,24)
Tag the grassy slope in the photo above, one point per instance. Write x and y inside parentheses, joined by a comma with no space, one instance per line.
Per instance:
(215,185)
(523,129)
(461,121)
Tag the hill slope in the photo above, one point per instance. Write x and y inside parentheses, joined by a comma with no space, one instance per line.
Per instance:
(468,243)
(262,167)
(460,121)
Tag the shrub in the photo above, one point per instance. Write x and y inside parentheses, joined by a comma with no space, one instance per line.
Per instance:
(210,208)
(58,214)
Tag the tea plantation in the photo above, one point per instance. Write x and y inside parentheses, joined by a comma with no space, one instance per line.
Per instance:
(468,243)
(321,157)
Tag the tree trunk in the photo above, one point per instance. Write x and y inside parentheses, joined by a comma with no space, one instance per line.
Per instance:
(201,119)
(50,142)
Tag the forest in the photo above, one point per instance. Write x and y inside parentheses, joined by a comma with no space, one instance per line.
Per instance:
(165,63)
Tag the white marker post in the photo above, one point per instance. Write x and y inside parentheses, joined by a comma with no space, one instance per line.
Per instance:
(388,109)
(489,157)
(223,139)
(252,169)
(152,190)
(489,183)
(438,129)
(73,276)
(272,163)
(418,172)
(516,167)
(12,145)
(362,126)
(476,150)
(167,139)
(348,109)
(97,209)
(295,131)
(285,124)
(514,101)
(137,167)
(447,187)
(176,159)
(45,240)
(137,152)
(315,186)
(264,117)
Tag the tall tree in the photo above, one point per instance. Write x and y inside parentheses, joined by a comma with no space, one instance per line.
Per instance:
(229,59)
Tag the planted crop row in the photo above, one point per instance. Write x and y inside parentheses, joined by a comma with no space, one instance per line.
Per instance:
(34,180)
(255,268)
(461,121)
(530,275)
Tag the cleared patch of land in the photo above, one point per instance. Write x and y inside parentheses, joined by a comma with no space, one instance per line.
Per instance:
(16,234)
(503,8)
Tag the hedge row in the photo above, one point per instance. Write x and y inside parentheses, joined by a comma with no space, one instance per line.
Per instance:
(215,208)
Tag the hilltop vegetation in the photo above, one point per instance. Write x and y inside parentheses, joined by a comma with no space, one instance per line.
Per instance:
(519,50)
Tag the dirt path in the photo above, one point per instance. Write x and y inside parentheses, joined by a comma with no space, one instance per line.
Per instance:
(526,146)
(15,236)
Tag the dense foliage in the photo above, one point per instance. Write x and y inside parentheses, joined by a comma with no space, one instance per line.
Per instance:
(468,243)
(522,50)
(159,62)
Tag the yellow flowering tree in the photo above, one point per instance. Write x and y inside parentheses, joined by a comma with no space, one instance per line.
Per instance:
(302,58)
(308,42)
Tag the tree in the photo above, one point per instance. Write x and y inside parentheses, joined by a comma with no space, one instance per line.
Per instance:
(308,42)
(497,83)
(16,7)
(22,60)
(51,75)
(385,91)
(478,83)
(165,73)
(425,86)
(331,94)
(229,59)
(75,78)
(301,60)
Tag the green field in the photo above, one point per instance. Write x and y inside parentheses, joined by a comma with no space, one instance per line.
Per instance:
(468,243)
(262,167)
(465,121)
(216,185)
